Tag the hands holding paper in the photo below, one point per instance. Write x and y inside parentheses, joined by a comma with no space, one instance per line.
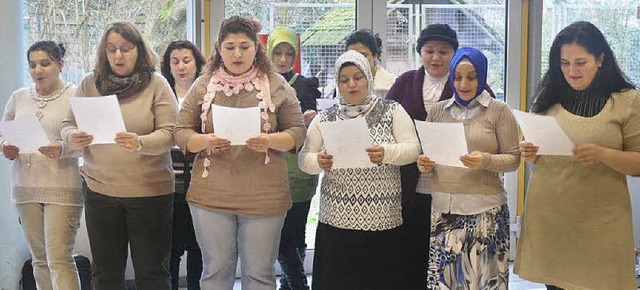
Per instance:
(587,153)
(472,160)
(80,139)
(260,143)
(10,151)
(376,154)
(325,161)
(53,151)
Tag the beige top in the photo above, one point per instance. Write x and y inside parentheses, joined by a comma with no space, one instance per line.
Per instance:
(34,177)
(494,132)
(239,182)
(110,170)
(576,232)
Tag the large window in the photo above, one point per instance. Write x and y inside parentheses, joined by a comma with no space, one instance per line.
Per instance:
(480,24)
(619,21)
(79,24)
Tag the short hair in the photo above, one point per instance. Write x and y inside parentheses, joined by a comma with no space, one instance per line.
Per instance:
(146,61)
(55,51)
(554,88)
(165,65)
(250,28)
(368,38)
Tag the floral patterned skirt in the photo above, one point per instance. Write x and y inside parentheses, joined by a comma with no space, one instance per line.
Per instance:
(469,251)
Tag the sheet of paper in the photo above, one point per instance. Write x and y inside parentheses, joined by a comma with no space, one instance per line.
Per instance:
(443,143)
(27,134)
(544,132)
(347,141)
(236,124)
(98,116)
(324,104)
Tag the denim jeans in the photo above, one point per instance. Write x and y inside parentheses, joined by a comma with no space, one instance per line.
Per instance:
(292,248)
(184,239)
(141,224)
(51,233)
(224,237)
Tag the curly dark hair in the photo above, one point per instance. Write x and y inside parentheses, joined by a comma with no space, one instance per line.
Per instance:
(553,87)
(55,51)
(250,28)
(165,64)
(368,38)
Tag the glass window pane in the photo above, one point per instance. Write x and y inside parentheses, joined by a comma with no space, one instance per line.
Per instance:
(619,21)
(79,26)
(322,25)
(480,24)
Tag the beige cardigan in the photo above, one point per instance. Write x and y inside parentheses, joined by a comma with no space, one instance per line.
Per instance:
(239,182)
(112,171)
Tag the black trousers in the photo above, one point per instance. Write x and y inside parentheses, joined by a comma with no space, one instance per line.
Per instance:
(416,230)
(357,260)
(292,248)
(184,239)
(143,224)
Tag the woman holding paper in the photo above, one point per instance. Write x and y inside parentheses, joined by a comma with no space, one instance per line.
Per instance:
(239,195)
(360,214)
(282,48)
(469,245)
(577,232)
(46,188)
(128,184)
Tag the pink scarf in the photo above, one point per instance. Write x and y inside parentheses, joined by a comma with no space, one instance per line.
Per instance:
(221,81)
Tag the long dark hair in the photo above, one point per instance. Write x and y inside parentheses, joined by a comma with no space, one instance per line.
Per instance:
(165,65)
(248,27)
(553,87)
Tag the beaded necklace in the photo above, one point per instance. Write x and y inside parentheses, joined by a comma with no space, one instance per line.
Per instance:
(42,101)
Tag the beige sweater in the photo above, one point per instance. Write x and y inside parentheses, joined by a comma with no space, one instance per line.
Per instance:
(112,171)
(34,177)
(239,182)
(494,132)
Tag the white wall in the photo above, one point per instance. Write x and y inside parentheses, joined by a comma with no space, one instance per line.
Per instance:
(634,189)
(13,249)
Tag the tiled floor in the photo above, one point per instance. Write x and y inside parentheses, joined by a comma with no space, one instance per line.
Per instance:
(515,283)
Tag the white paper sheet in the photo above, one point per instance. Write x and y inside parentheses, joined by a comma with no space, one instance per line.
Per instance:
(236,124)
(323,104)
(443,143)
(544,132)
(27,134)
(347,141)
(98,116)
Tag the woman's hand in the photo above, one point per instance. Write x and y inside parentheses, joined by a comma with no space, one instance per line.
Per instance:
(589,153)
(260,143)
(10,151)
(376,154)
(425,165)
(529,151)
(128,141)
(308,117)
(325,161)
(472,160)
(80,139)
(53,151)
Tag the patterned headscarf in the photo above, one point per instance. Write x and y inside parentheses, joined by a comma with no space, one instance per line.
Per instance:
(346,110)
(479,61)
(279,35)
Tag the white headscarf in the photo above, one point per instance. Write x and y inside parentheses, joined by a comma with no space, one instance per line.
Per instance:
(346,110)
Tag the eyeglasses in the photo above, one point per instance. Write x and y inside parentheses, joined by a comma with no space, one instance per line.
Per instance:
(112,49)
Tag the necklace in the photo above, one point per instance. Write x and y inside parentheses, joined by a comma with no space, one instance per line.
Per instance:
(42,101)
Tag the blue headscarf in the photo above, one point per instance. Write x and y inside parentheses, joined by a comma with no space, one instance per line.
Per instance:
(479,61)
